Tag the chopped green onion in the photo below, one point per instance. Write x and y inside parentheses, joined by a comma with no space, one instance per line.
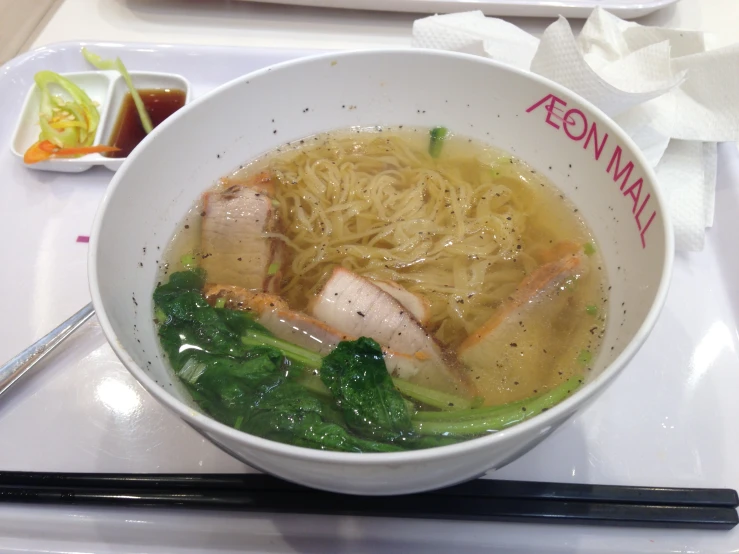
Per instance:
(221,302)
(273,269)
(114,65)
(188,261)
(438,135)
(591,309)
(589,249)
(238,422)
(160,316)
(585,357)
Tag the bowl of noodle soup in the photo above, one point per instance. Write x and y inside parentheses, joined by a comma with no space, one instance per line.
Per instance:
(381,272)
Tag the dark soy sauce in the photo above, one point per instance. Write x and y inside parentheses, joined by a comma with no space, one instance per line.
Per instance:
(128,131)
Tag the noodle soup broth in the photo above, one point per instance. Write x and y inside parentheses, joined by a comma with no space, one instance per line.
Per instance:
(476,279)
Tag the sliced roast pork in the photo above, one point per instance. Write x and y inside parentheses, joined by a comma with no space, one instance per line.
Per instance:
(417,305)
(233,246)
(357,306)
(518,346)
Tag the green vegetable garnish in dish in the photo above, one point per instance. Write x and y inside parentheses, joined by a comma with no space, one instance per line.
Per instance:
(117,65)
(68,120)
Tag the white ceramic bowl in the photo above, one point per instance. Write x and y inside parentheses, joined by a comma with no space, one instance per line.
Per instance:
(583,152)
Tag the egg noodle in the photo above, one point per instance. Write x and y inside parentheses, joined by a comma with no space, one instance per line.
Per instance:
(452,229)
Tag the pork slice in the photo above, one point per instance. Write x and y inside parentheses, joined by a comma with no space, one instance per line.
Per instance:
(515,351)
(234,248)
(357,306)
(417,305)
(300,329)
(261,182)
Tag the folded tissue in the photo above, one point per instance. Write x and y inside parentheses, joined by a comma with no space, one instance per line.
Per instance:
(674,92)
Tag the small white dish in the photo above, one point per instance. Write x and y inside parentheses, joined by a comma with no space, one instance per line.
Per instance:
(107,89)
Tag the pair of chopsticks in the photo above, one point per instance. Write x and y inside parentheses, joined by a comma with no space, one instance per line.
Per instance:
(478,500)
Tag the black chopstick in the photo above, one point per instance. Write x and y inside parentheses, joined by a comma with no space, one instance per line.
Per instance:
(478,500)
(488,488)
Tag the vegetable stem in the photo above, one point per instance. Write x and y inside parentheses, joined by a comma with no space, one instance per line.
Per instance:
(431,397)
(473,413)
(289,350)
(512,414)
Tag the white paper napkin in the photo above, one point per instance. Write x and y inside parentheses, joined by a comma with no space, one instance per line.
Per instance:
(672,91)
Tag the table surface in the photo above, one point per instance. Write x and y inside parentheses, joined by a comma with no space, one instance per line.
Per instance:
(224,22)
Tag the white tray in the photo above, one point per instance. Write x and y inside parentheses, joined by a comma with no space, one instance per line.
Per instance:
(669,420)
(502,8)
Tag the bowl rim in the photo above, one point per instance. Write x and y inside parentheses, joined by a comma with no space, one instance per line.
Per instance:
(221,431)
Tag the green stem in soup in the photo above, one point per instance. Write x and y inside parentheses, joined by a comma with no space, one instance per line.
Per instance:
(431,397)
(289,350)
(508,415)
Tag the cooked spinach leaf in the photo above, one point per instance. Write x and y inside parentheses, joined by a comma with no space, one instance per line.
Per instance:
(357,377)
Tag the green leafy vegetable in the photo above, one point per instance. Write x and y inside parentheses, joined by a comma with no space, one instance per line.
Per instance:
(591,309)
(438,136)
(190,323)
(289,413)
(117,65)
(356,375)
(589,249)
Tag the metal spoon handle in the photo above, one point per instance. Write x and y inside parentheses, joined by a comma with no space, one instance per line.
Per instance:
(14,369)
